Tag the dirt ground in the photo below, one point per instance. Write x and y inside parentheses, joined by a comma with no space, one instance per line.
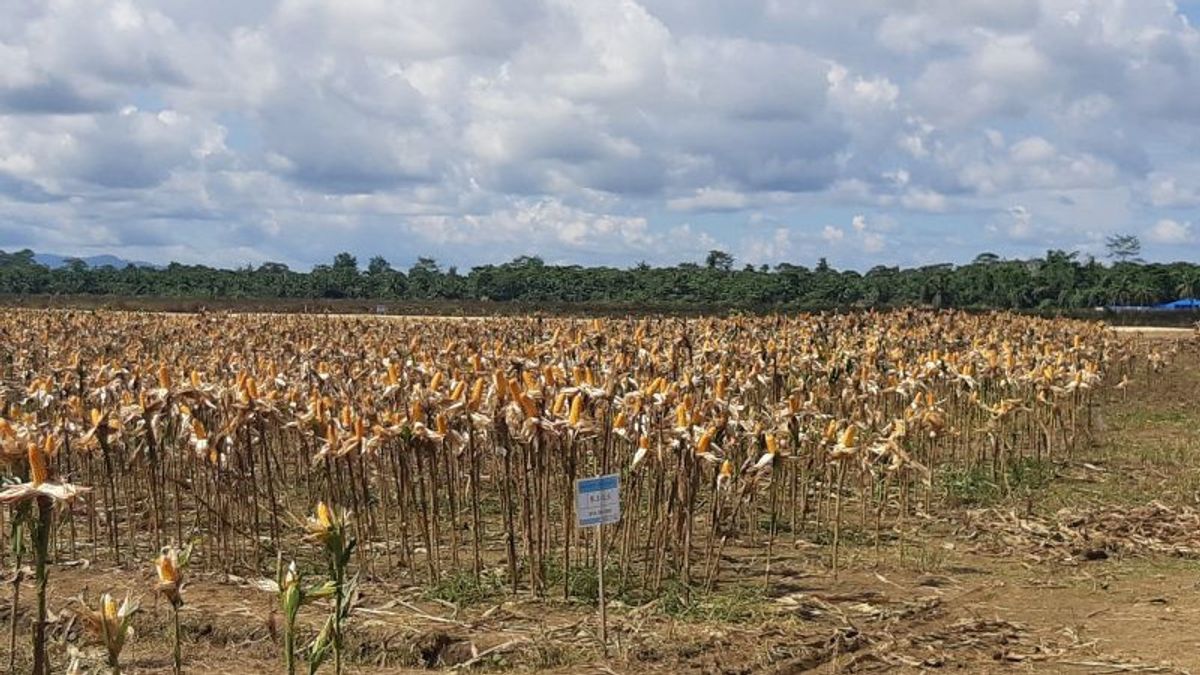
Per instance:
(1156,332)
(1094,572)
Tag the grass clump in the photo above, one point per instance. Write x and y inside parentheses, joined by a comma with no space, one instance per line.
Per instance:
(730,604)
(464,589)
(981,486)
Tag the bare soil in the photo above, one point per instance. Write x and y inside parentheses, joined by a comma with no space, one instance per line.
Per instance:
(1156,332)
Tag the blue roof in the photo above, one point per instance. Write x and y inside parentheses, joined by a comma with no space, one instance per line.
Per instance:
(1183,303)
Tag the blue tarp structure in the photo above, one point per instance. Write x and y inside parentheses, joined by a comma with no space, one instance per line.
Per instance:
(1184,303)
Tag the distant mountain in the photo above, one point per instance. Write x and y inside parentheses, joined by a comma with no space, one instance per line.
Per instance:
(54,261)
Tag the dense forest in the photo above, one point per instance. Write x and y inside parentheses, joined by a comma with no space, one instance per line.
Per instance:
(1059,280)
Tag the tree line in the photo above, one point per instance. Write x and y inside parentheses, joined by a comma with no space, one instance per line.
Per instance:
(1058,280)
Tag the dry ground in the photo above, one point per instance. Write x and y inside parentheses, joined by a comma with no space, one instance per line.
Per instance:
(1156,332)
(1092,570)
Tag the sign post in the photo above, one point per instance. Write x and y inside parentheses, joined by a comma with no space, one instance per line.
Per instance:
(598,503)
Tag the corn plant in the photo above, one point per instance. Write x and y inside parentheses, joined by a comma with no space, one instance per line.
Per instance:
(293,595)
(113,625)
(330,529)
(170,566)
(45,494)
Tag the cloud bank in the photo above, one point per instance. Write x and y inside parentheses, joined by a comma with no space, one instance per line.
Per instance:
(597,131)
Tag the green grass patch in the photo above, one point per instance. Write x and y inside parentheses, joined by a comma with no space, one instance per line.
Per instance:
(1027,475)
(730,604)
(982,486)
(851,533)
(464,590)
(1139,418)
(584,581)
(973,486)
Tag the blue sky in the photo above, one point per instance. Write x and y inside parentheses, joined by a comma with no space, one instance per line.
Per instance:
(597,131)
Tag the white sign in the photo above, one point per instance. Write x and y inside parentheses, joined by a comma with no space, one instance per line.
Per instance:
(598,500)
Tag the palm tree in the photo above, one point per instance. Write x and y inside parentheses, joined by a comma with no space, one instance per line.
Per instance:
(1143,293)
(1189,284)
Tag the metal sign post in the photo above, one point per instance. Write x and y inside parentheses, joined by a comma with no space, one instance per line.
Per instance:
(598,503)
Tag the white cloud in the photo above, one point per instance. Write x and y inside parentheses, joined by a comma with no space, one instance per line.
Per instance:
(709,199)
(923,199)
(914,145)
(546,222)
(868,234)
(1033,150)
(860,93)
(1020,224)
(873,242)
(776,248)
(899,177)
(1032,163)
(1167,231)
(833,234)
(1168,191)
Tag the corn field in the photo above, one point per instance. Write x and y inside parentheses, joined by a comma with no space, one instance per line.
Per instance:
(455,444)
